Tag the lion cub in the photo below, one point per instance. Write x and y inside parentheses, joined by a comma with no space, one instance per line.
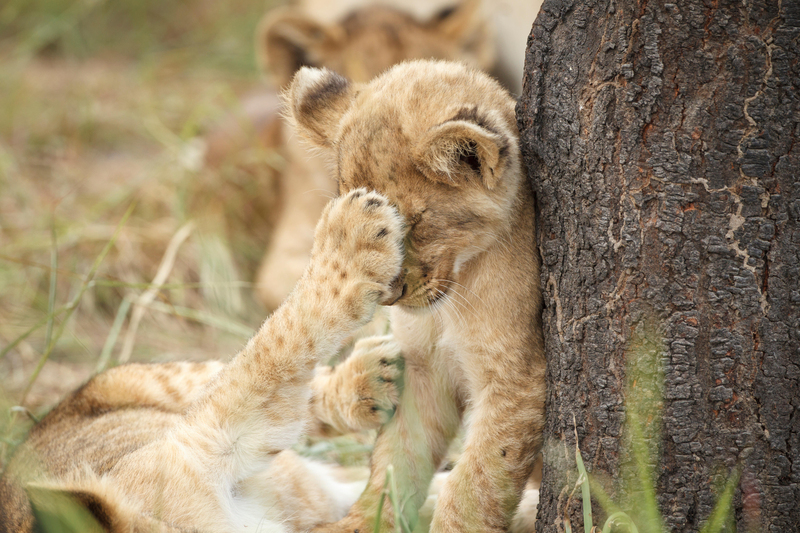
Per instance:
(440,141)
(201,447)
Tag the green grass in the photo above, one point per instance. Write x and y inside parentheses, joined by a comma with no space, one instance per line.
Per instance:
(56,512)
(636,508)
(390,491)
(103,106)
(216,35)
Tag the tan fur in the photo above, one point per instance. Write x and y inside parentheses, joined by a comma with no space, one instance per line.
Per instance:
(360,45)
(345,399)
(440,141)
(366,41)
(202,446)
(511,21)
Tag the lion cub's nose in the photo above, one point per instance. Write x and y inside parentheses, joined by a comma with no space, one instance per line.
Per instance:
(398,289)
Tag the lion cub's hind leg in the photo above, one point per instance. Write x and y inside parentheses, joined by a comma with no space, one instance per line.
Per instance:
(169,387)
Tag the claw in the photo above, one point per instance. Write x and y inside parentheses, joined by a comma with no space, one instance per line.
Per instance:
(398,291)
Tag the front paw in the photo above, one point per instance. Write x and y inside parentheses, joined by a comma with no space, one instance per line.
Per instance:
(359,238)
(369,383)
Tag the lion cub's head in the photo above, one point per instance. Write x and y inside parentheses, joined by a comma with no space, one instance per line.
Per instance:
(437,138)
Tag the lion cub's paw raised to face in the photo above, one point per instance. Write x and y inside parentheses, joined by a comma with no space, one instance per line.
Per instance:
(359,234)
(437,138)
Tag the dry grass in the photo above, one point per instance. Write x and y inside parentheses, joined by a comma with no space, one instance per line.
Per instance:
(102,110)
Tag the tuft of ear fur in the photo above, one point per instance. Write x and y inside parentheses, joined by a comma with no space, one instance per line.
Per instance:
(466,25)
(459,151)
(288,39)
(317,99)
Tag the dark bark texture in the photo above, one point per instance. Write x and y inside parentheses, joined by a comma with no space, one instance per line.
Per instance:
(663,141)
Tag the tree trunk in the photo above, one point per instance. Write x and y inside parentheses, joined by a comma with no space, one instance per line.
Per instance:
(663,141)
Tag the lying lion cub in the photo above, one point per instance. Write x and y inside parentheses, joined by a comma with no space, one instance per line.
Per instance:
(185,447)
(440,141)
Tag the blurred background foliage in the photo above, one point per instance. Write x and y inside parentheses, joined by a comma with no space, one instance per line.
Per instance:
(116,241)
(209,33)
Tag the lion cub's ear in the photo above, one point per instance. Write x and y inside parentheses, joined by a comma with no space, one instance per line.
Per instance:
(317,99)
(459,151)
(288,39)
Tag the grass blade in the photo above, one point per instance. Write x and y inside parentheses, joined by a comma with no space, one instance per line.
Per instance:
(722,510)
(221,323)
(51,297)
(585,492)
(113,334)
(644,474)
(73,304)
(142,302)
(620,518)
(605,501)
(378,516)
(400,523)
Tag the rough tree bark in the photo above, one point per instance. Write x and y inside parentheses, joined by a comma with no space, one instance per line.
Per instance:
(663,140)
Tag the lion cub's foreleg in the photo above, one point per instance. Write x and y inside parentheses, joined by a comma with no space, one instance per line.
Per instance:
(361,392)
(484,489)
(413,442)
(257,405)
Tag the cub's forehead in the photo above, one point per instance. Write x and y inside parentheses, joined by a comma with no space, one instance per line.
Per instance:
(418,95)
(377,148)
(388,118)
(371,134)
